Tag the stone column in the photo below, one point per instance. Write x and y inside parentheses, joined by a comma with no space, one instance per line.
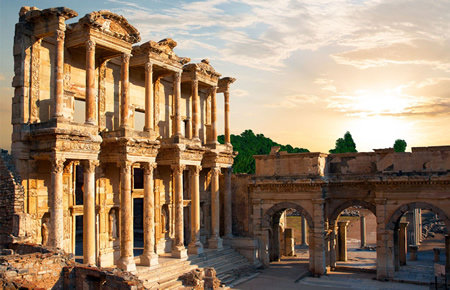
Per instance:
(56,209)
(215,242)
(447,255)
(402,243)
(317,241)
(213,115)
(333,252)
(90,83)
(59,74)
(342,242)
(413,249)
(362,221)
(148,96)
(178,249)
(437,254)
(89,213)
(226,95)
(177,103)
(149,257)
(195,110)
(126,261)
(195,246)
(227,205)
(304,232)
(125,98)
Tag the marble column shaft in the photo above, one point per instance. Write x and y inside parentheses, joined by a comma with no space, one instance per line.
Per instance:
(126,219)
(213,115)
(178,249)
(195,110)
(90,83)
(89,213)
(125,98)
(227,206)
(195,246)
(149,257)
(215,241)
(342,236)
(59,74)
(362,221)
(226,95)
(304,231)
(402,243)
(56,210)
(148,96)
(177,103)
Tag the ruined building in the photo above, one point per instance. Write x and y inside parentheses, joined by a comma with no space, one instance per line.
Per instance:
(113,139)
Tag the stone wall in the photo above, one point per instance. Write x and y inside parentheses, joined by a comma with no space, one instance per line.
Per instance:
(241,204)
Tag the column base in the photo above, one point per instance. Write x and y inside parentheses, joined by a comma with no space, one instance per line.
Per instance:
(127,264)
(227,240)
(215,243)
(195,248)
(179,252)
(150,259)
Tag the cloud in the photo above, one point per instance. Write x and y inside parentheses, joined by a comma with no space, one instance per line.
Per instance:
(294,101)
(2,77)
(238,93)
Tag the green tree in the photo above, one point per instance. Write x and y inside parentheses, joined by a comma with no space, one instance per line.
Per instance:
(249,144)
(400,145)
(344,145)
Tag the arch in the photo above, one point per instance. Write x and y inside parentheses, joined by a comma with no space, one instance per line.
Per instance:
(267,219)
(349,203)
(401,210)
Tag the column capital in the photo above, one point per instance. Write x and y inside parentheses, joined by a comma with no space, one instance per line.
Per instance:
(148,66)
(178,168)
(149,167)
(90,45)
(195,169)
(90,165)
(60,35)
(126,57)
(343,223)
(125,166)
(177,76)
(212,90)
(215,170)
(58,165)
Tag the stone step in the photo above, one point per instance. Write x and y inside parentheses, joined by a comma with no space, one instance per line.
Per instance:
(173,284)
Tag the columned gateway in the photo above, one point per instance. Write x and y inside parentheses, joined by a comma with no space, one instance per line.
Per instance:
(116,142)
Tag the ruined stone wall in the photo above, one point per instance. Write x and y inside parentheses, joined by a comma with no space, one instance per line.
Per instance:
(241,204)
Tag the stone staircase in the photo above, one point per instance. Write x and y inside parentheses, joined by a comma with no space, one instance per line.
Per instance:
(230,267)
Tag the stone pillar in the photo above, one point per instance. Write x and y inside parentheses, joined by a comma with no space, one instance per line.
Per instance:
(437,254)
(215,242)
(89,213)
(385,243)
(362,221)
(289,243)
(195,110)
(342,240)
(333,247)
(149,257)
(56,209)
(148,96)
(178,249)
(226,95)
(402,243)
(126,261)
(90,83)
(413,252)
(317,240)
(227,205)
(177,103)
(213,115)
(125,98)
(447,255)
(59,74)
(304,232)
(195,246)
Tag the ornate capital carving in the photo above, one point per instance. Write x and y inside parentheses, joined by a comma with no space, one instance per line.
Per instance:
(126,58)
(148,66)
(177,77)
(149,168)
(215,171)
(212,91)
(90,165)
(90,45)
(58,165)
(60,35)
(125,167)
(195,170)
(178,169)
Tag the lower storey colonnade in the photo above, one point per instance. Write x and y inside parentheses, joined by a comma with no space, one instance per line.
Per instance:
(181,210)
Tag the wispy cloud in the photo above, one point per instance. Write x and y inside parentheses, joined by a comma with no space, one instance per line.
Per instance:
(293,101)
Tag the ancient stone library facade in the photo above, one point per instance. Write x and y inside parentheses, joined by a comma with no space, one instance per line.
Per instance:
(115,143)
(104,128)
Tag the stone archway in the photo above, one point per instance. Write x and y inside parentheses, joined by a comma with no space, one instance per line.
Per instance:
(400,211)
(337,211)
(271,221)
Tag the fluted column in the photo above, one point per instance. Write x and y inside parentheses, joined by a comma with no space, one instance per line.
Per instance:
(195,110)
(59,74)
(178,249)
(126,261)
(215,242)
(213,115)
(226,95)
(125,100)
(195,246)
(148,96)
(89,212)
(90,83)
(177,99)
(149,257)
(56,210)
(227,203)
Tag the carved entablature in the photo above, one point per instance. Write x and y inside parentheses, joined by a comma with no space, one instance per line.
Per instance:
(201,71)
(289,187)
(224,84)
(220,159)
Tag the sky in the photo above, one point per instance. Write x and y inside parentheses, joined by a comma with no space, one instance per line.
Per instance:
(307,71)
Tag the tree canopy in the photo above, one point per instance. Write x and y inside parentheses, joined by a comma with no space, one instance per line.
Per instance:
(400,145)
(249,144)
(344,145)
